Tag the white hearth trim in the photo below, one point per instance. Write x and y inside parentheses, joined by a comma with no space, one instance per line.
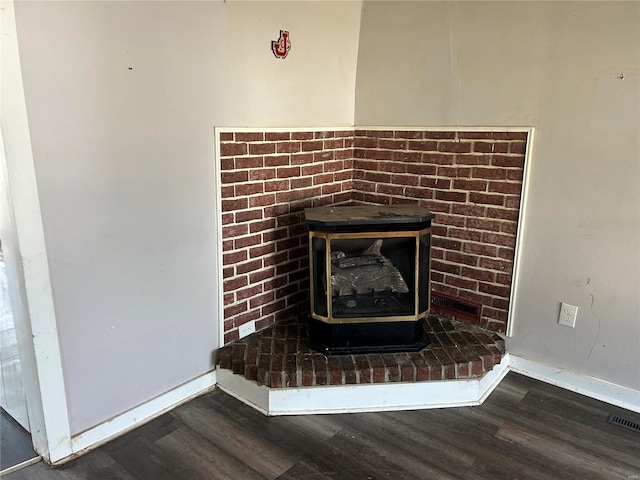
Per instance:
(374,397)
(414,396)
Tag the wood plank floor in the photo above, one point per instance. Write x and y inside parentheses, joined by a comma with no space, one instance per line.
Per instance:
(524,430)
(15,442)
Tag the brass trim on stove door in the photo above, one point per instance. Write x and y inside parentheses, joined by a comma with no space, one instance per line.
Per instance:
(328,236)
(312,277)
(327,269)
(416,279)
(333,321)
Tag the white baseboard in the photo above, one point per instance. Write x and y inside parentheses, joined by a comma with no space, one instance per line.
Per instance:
(120,424)
(364,397)
(351,398)
(611,393)
(20,466)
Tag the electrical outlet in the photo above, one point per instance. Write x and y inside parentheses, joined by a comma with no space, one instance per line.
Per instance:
(568,314)
(246,329)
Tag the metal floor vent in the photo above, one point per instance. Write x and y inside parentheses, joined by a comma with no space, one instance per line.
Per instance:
(624,422)
(456,306)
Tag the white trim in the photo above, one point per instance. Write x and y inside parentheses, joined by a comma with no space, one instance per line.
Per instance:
(246,391)
(363,397)
(20,466)
(602,390)
(413,396)
(351,398)
(449,128)
(515,274)
(284,129)
(490,128)
(217,205)
(127,421)
(36,327)
(493,378)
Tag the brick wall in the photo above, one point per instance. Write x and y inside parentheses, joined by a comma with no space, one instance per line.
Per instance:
(267,180)
(470,180)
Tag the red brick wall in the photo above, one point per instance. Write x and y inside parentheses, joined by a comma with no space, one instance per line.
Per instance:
(470,180)
(267,180)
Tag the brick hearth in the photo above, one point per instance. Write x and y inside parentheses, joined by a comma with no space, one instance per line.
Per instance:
(280,356)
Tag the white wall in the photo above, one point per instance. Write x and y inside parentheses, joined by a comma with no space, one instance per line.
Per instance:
(122,98)
(555,66)
(123,160)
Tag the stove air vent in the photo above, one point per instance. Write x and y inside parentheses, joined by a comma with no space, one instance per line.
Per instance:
(456,306)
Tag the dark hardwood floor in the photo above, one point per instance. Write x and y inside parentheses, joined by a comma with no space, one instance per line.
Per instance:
(15,442)
(525,430)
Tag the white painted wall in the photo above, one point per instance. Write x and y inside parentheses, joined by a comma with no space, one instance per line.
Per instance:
(555,66)
(122,98)
(123,162)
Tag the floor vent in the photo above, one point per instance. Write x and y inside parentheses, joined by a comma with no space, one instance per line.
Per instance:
(456,306)
(624,422)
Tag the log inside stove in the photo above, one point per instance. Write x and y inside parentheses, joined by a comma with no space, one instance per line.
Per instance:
(366,280)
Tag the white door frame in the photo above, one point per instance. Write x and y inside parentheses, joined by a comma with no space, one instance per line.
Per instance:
(30,287)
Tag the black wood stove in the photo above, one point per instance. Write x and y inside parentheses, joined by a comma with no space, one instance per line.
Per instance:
(369,275)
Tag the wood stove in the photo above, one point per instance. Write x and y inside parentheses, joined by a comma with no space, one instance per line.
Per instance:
(369,277)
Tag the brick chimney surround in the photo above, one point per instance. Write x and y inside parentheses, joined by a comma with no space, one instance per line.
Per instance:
(471,179)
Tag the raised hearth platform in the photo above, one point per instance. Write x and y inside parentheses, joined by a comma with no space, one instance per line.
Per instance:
(275,371)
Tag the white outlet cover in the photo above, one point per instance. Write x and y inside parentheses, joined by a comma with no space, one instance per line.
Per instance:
(246,329)
(568,315)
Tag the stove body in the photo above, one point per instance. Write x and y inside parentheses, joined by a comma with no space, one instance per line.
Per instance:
(369,277)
